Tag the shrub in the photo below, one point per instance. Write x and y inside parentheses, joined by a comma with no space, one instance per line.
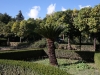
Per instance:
(77,47)
(39,44)
(9,67)
(23,45)
(56,44)
(97,60)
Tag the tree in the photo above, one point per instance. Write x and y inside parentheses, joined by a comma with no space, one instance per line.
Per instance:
(32,25)
(26,28)
(50,32)
(80,22)
(94,22)
(5,18)
(20,16)
(7,30)
(16,25)
(2,25)
(15,28)
(66,19)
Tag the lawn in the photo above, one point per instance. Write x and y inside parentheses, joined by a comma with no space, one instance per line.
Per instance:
(74,67)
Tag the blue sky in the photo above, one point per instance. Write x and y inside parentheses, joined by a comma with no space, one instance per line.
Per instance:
(39,8)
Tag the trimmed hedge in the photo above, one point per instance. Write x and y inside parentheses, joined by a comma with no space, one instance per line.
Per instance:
(11,67)
(97,60)
(40,54)
(78,55)
(22,54)
(77,47)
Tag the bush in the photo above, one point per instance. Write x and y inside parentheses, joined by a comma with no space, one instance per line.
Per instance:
(10,67)
(77,47)
(23,45)
(56,44)
(97,60)
(39,44)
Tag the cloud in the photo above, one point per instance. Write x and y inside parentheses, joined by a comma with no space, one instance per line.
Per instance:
(51,8)
(34,11)
(80,6)
(63,9)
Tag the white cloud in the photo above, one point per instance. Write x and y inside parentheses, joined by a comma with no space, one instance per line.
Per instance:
(80,6)
(51,8)
(33,13)
(63,9)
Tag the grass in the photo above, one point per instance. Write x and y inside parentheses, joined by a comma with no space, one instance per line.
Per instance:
(74,67)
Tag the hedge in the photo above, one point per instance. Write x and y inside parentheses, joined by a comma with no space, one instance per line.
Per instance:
(22,54)
(40,54)
(72,54)
(11,67)
(97,60)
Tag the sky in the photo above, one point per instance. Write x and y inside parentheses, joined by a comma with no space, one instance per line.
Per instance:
(40,8)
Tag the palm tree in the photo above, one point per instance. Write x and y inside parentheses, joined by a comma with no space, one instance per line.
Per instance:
(50,32)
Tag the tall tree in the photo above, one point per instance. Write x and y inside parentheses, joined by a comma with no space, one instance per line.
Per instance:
(33,24)
(15,28)
(7,30)
(94,22)
(26,28)
(19,16)
(66,18)
(81,21)
(50,31)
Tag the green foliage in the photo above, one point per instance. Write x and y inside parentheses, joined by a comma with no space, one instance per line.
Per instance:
(80,21)
(97,60)
(10,67)
(19,17)
(23,45)
(50,31)
(74,67)
(94,20)
(5,18)
(82,66)
(2,25)
(56,44)
(76,47)
(15,28)
(79,55)
(26,28)
(39,44)
(7,29)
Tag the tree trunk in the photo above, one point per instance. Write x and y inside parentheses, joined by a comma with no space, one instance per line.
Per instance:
(80,41)
(8,42)
(51,52)
(20,39)
(63,37)
(69,45)
(94,43)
